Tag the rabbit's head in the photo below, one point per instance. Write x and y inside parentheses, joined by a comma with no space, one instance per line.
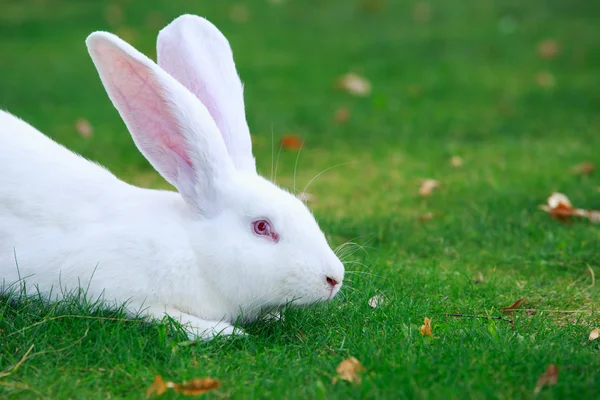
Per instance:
(257,244)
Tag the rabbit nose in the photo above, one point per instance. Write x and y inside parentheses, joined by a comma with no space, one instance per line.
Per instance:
(332,281)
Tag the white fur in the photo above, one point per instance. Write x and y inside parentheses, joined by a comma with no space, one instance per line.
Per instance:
(68,223)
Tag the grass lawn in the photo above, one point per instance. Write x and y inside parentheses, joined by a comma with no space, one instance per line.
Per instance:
(448,79)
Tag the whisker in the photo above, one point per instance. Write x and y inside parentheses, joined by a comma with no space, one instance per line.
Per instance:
(325,170)
(296,163)
(277,162)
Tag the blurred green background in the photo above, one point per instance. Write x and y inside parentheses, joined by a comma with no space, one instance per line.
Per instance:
(511,87)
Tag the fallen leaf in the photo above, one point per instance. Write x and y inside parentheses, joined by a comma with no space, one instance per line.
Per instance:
(545,79)
(592,215)
(456,162)
(342,115)
(197,386)
(427,216)
(354,84)
(158,387)
(305,197)
(594,334)
(560,208)
(239,13)
(190,388)
(425,329)
(585,168)
(421,11)
(376,301)
(514,305)
(83,127)
(348,371)
(548,48)
(291,142)
(427,187)
(548,378)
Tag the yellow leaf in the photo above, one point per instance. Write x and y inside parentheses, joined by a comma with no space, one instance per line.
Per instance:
(348,370)
(158,387)
(427,187)
(354,84)
(594,334)
(83,127)
(426,327)
(456,162)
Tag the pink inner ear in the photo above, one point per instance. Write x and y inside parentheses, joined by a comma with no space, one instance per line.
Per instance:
(147,112)
(196,81)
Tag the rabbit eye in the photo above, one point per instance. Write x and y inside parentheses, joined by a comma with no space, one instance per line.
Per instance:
(262,227)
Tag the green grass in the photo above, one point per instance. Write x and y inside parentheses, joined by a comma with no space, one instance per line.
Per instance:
(461,83)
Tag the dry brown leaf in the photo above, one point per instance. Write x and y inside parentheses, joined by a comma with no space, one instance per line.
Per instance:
(548,48)
(594,334)
(354,84)
(456,161)
(513,305)
(342,115)
(196,386)
(421,11)
(427,216)
(545,79)
(560,208)
(376,301)
(348,371)
(239,13)
(548,378)
(425,329)
(427,187)
(158,387)
(585,168)
(291,142)
(83,127)
(190,388)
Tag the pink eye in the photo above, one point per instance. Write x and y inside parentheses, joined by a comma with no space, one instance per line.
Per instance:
(262,227)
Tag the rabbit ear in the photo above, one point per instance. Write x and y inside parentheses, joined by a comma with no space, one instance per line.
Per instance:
(173,130)
(197,54)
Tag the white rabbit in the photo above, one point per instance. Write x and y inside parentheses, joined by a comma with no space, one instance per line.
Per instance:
(227,246)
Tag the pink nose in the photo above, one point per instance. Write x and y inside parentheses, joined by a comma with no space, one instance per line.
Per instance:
(332,282)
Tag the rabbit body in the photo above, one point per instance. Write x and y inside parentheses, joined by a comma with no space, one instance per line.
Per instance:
(67,223)
(228,245)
